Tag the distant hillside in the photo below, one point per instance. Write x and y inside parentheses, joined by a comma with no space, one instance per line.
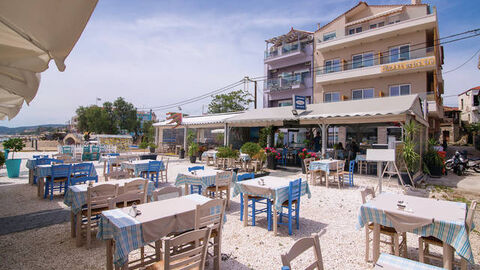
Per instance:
(28,129)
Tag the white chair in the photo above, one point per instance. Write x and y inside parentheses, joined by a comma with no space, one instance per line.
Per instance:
(222,186)
(300,247)
(167,193)
(185,251)
(133,192)
(395,244)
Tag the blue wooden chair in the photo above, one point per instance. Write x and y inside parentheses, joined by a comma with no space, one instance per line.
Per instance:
(41,161)
(351,168)
(283,161)
(81,173)
(153,171)
(58,180)
(196,188)
(294,192)
(253,200)
(40,156)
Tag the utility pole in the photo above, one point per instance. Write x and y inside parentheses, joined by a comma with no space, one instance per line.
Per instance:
(255,94)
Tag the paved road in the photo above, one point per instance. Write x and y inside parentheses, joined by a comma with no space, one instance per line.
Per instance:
(33,220)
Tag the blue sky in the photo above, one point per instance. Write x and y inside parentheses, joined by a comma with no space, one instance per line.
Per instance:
(160,52)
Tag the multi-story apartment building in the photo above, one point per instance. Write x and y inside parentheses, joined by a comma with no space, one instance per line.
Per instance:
(288,64)
(469,105)
(373,51)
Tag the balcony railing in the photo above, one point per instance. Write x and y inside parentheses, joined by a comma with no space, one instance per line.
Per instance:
(375,60)
(286,49)
(282,84)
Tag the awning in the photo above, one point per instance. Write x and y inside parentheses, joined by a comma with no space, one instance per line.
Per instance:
(31,34)
(203,121)
(385,109)
(378,15)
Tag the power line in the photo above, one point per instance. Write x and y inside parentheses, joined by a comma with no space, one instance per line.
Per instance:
(469,59)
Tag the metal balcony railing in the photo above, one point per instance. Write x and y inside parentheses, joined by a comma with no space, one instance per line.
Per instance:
(282,84)
(375,59)
(286,49)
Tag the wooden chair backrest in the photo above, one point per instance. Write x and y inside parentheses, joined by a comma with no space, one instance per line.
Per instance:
(187,258)
(223,179)
(340,166)
(470,214)
(307,162)
(210,214)
(166,163)
(367,191)
(133,191)
(300,247)
(167,193)
(98,196)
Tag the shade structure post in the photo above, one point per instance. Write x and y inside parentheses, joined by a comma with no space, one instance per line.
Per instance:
(185,129)
(324,128)
(225,135)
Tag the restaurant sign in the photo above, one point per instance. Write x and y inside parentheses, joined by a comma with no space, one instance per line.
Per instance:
(411,64)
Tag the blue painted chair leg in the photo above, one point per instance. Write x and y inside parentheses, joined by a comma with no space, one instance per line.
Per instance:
(290,221)
(297,216)
(269,214)
(253,212)
(51,191)
(241,206)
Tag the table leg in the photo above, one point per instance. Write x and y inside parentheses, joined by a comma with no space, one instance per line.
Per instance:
(30,177)
(109,244)
(78,229)
(376,242)
(186,189)
(275,220)
(217,250)
(104,168)
(228,197)
(447,256)
(72,224)
(40,186)
(245,210)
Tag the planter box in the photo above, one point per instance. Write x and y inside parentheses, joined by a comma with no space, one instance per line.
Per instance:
(193,159)
(271,163)
(152,157)
(13,167)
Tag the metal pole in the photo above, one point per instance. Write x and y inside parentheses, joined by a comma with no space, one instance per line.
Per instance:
(324,138)
(185,128)
(255,97)
(225,135)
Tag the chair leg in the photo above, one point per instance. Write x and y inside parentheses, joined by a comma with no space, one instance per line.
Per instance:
(253,212)
(89,233)
(367,244)
(405,249)
(396,244)
(421,255)
(290,221)
(269,214)
(241,206)
(51,190)
(297,216)
(392,247)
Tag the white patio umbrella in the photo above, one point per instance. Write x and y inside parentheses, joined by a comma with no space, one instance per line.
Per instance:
(31,34)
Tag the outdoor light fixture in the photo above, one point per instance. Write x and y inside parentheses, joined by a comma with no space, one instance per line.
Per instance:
(295,112)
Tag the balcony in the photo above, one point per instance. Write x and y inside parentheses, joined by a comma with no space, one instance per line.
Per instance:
(372,35)
(288,54)
(374,67)
(285,84)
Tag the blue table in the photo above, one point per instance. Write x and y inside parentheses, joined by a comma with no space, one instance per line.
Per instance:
(138,166)
(43,171)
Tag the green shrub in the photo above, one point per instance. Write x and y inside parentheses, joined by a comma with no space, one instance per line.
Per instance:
(227,152)
(2,159)
(193,149)
(14,145)
(250,148)
(143,145)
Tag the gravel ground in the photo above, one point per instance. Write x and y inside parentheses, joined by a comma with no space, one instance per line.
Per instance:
(332,209)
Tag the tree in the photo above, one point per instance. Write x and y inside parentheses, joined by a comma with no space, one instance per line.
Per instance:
(108,119)
(148,132)
(232,102)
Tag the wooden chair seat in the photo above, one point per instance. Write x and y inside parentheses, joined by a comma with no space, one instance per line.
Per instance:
(213,188)
(96,211)
(60,179)
(384,229)
(255,197)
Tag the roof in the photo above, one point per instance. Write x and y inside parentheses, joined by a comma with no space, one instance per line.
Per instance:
(112,136)
(291,36)
(212,119)
(474,88)
(362,3)
(450,109)
(378,15)
(399,105)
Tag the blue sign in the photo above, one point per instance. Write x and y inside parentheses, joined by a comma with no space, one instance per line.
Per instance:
(300,102)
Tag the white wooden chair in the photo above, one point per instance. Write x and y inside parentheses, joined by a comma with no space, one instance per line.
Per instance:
(302,245)
(116,174)
(163,173)
(133,192)
(395,244)
(211,214)
(222,186)
(167,193)
(189,251)
(425,241)
(337,174)
(97,201)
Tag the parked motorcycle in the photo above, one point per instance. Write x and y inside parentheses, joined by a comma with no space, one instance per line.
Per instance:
(459,164)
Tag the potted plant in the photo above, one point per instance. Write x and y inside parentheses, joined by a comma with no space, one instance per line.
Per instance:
(152,147)
(272,156)
(201,149)
(143,145)
(305,154)
(408,153)
(193,152)
(13,165)
(433,163)
(251,149)
(182,153)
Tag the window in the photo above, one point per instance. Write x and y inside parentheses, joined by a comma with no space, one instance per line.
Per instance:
(362,93)
(362,60)
(332,97)
(373,26)
(328,36)
(400,53)
(380,24)
(352,31)
(400,90)
(461,104)
(284,103)
(332,65)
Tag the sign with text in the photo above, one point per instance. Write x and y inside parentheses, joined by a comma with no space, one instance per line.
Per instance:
(410,64)
(299,102)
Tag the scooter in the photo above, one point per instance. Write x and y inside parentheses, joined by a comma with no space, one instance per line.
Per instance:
(459,164)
